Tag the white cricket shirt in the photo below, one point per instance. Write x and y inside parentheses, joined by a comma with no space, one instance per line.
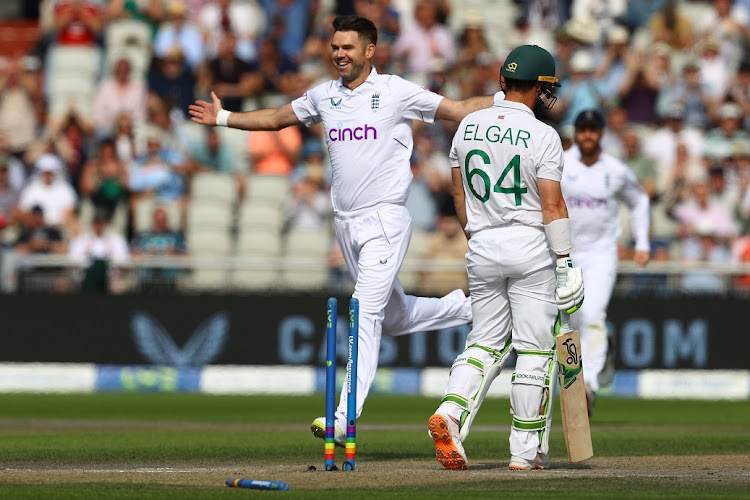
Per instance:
(592,194)
(502,151)
(369,136)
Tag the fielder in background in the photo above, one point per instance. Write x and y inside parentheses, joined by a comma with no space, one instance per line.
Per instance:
(507,167)
(593,184)
(367,119)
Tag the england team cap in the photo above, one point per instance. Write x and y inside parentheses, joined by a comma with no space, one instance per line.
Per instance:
(590,118)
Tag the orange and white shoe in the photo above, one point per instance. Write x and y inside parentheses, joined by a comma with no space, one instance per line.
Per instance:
(449,451)
(541,461)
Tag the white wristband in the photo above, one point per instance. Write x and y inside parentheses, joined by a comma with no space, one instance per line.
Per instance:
(221,117)
(558,235)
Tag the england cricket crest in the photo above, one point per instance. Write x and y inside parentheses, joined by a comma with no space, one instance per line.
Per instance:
(375,102)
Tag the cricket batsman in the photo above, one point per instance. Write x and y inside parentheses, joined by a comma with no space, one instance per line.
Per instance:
(507,167)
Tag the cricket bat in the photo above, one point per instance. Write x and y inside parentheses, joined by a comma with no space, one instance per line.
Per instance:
(573,409)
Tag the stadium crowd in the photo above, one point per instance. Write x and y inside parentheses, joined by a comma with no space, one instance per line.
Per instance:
(99,161)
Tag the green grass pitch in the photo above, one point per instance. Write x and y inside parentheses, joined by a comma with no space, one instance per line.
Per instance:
(187,445)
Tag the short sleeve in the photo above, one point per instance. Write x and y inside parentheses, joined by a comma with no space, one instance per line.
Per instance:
(453,155)
(417,102)
(305,108)
(551,160)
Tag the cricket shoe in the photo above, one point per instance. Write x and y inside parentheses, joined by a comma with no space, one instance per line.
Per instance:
(541,461)
(318,428)
(449,451)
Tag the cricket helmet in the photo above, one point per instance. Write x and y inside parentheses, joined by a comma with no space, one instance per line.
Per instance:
(530,62)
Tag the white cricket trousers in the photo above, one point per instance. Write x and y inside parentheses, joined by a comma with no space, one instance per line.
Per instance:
(599,268)
(512,284)
(374,242)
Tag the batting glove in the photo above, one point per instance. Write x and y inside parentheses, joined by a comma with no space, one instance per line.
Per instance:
(570,297)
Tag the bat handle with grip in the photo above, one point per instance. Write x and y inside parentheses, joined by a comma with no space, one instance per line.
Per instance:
(562,280)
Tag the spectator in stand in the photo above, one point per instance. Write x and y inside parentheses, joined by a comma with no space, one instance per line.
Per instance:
(52,192)
(700,212)
(229,75)
(173,81)
(672,27)
(310,204)
(161,240)
(99,252)
(154,173)
(714,71)
(105,179)
(212,154)
(179,33)
(704,245)
(150,12)
(612,140)
(642,166)
(662,145)
(450,244)
(425,40)
(68,138)
(117,94)
(19,89)
(278,72)
(581,90)
(124,138)
(77,22)
(642,83)
(274,152)
(739,89)
(720,141)
(245,19)
(691,93)
(287,24)
(16,170)
(38,237)
(612,68)
(10,214)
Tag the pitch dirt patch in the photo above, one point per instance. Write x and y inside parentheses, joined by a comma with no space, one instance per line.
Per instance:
(699,470)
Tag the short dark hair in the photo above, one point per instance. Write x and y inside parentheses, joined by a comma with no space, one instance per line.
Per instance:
(511,84)
(366,30)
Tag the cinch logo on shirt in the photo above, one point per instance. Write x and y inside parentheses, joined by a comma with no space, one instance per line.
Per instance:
(587,202)
(348,134)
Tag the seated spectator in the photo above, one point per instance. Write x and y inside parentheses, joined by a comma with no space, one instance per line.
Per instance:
(178,33)
(581,90)
(424,40)
(287,23)
(173,81)
(244,18)
(720,141)
(77,22)
(16,170)
(105,179)
(159,241)
(99,252)
(701,212)
(124,138)
(229,76)
(68,138)
(52,192)
(19,90)
(310,204)
(38,237)
(9,211)
(213,155)
(642,166)
(154,174)
(117,94)
(277,71)
(274,152)
(690,93)
(449,243)
(704,246)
